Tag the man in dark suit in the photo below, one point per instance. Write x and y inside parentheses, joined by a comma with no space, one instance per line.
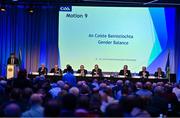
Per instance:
(96,72)
(125,72)
(12,59)
(42,70)
(159,73)
(68,67)
(56,70)
(82,71)
(144,73)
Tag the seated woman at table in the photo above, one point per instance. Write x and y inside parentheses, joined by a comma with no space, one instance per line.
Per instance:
(96,72)
(56,70)
(82,71)
(68,67)
(159,73)
(125,72)
(42,70)
(144,73)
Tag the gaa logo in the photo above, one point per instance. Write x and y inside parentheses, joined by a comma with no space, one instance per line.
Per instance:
(10,69)
(66,8)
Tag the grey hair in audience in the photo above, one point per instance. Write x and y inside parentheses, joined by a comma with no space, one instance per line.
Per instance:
(74,91)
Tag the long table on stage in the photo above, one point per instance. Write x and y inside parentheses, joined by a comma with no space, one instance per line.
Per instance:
(90,78)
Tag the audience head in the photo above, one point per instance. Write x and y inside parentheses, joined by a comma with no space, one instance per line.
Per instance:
(148,85)
(60,83)
(12,110)
(22,74)
(16,94)
(84,89)
(139,85)
(52,108)
(83,102)
(119,83)
(158,90)
(3,83)
(74,91)
(69,102)
(36,99)
(127,82)
(102,85)
(27,92)
(114,110)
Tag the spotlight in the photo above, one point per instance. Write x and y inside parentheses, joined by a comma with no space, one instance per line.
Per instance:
(2,9)
(30,10)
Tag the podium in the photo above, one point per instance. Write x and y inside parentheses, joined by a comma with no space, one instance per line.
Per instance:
(12,71)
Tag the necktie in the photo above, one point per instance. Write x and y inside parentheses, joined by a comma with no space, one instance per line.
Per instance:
(12,61)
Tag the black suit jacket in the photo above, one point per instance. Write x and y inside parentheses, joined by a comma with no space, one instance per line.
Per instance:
(162,74)
(59,71)
(16,61)
(141,74)
(128,73)
(98,72)
(42,72)
(85,71)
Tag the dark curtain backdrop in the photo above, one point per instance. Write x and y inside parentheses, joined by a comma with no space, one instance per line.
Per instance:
(35,34)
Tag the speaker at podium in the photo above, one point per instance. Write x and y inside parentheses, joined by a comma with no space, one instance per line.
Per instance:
(12,71)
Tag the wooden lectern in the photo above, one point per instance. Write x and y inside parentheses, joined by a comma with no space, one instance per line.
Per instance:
(12,71)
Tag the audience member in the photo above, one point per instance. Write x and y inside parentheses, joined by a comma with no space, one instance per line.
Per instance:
(12,110)
(21,81)
(69,77)
(36,109)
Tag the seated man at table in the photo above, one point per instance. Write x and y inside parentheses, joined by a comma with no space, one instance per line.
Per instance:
(82,71)
(144,73)
(159,74)
(69,77)
(56,70)
(42,70)
(70,67)
(96,72)
(125,72)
